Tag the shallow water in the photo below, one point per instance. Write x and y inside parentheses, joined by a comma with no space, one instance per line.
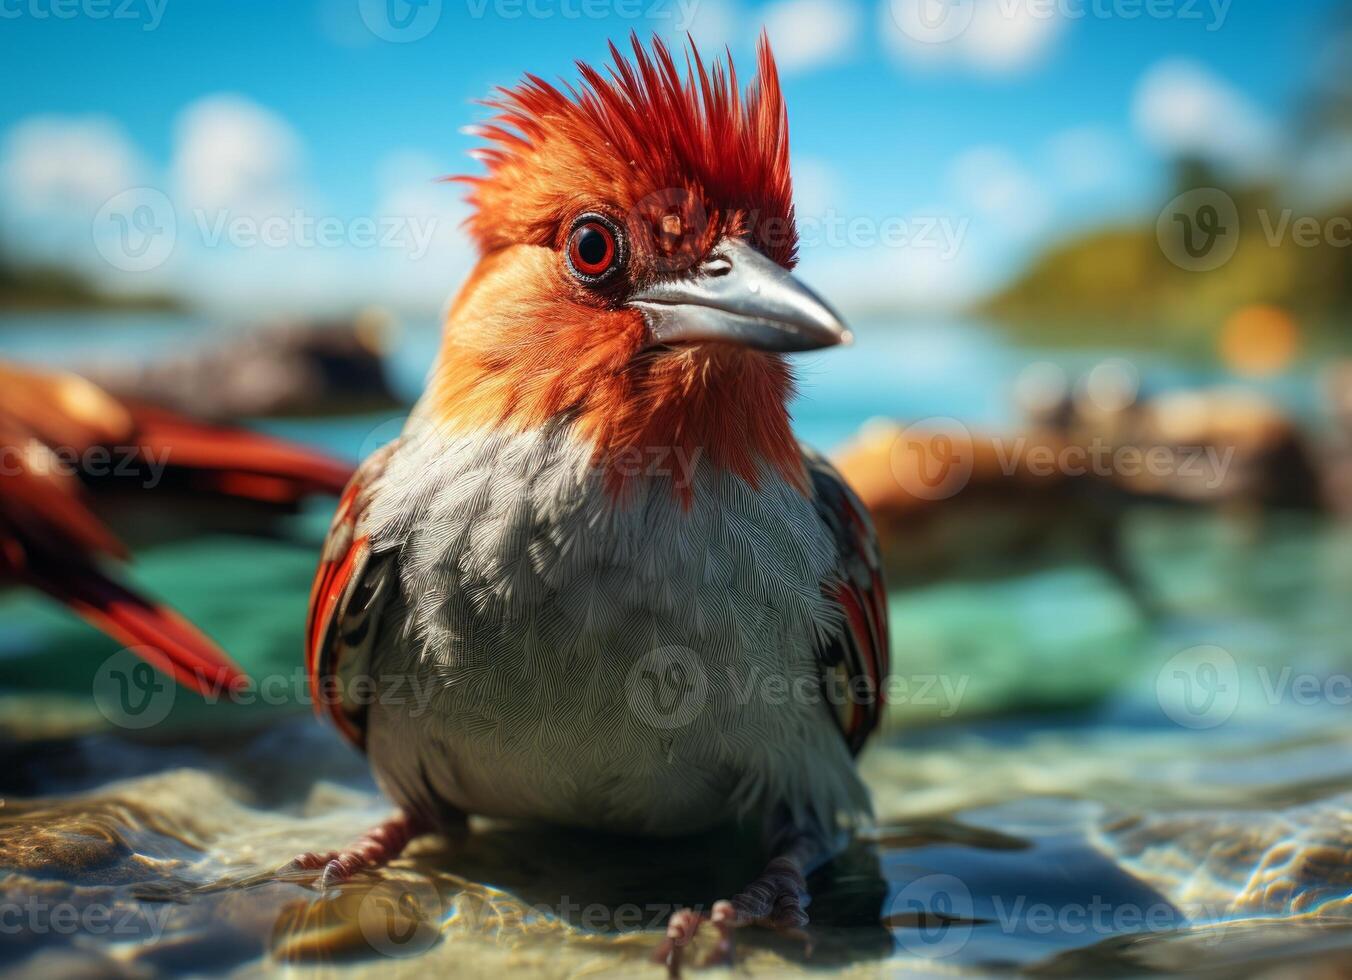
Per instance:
(1066,787)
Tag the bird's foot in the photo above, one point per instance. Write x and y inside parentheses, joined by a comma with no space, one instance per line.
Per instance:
(379,846)
(681,929)
(774,900)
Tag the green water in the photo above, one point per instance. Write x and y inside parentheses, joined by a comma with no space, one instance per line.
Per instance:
(1065,786)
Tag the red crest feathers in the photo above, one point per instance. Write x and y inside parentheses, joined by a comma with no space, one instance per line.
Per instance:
(642,129)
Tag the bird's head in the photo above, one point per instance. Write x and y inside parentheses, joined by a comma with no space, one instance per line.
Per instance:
(637,236)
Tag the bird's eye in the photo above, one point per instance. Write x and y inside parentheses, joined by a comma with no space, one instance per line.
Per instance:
(595,248)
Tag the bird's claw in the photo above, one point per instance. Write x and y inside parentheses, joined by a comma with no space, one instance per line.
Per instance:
(784,915)
(724,918)
(325,869)
(304,867)
(379,846)
(681,929)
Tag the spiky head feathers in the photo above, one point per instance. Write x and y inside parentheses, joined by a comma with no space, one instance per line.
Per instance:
(679,157)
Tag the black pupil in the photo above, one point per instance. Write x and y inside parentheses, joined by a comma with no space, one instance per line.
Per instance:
(592,246)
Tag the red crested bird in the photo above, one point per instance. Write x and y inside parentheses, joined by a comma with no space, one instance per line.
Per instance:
(597,547)
(71,455)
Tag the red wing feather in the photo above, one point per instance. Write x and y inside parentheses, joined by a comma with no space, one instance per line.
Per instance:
(345,606)
(236,461)
(52,540)
(154,632)
(51,512)
(860,654)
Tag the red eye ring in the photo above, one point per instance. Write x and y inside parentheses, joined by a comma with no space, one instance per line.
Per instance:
(595,248)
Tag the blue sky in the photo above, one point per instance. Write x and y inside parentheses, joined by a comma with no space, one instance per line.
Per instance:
(971,151)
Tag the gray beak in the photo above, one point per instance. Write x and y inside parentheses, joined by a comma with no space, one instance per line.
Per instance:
(739,296)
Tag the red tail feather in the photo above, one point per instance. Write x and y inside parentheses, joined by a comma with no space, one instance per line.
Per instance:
(164,638)
(277,471)
(51,539)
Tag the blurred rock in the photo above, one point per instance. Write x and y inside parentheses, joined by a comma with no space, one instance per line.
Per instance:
(1224,446)
(307,368)
(1337,387)
(949,503)
(952,503)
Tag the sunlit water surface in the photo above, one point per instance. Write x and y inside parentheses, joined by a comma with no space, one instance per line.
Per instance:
(1065,787)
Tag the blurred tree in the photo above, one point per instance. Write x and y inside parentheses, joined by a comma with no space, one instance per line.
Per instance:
(34,286)
(1294,251)
(1329,107)
(1324,139)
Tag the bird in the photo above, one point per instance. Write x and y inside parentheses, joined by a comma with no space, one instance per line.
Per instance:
(597,546)
(74,461)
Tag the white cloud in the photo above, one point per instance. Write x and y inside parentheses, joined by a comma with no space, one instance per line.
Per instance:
(411,194)
(1007,39)
(56,173)
(405,250)
(67,165)
(237,165)
(916,278)
(1181,108)
(235,172)
(233,155)
(1087,158)
(713,26)
(816,186)
(811,33)
(995,36)
(997,187)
